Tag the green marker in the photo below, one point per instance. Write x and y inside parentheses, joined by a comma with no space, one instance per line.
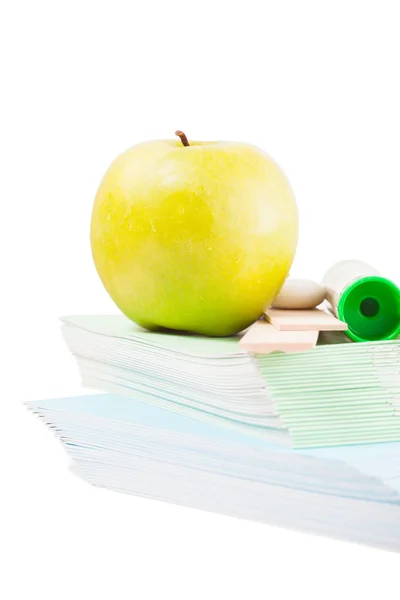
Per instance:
(366,301)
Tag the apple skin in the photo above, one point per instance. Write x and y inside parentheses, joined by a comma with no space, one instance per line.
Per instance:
(195,238)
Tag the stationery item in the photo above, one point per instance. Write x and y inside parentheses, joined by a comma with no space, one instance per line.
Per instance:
(264,338)
(335,394)
(350,493)
(304,320)
(300,294)
(368,302)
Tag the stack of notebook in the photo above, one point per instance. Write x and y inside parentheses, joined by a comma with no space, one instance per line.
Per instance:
(135,447)
(337,393)
(308,440)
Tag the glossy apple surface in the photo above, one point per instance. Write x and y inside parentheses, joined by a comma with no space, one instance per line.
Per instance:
(196,238)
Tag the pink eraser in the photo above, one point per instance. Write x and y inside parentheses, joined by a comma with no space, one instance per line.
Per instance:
(264,338)
(304,320)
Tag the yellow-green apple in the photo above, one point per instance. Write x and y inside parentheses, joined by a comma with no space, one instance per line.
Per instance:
(195,237)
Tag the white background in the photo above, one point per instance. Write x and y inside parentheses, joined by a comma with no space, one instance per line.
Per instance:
(316,84)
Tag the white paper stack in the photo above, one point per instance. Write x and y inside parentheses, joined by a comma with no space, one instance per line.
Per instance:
(336,394)
(130,446)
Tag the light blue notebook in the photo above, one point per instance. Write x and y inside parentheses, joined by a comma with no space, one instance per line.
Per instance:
(125,445)
(381,460)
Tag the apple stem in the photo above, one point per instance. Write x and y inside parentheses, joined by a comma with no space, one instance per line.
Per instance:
(183,137)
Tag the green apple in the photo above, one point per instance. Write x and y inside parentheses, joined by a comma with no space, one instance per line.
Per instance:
(194,237)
